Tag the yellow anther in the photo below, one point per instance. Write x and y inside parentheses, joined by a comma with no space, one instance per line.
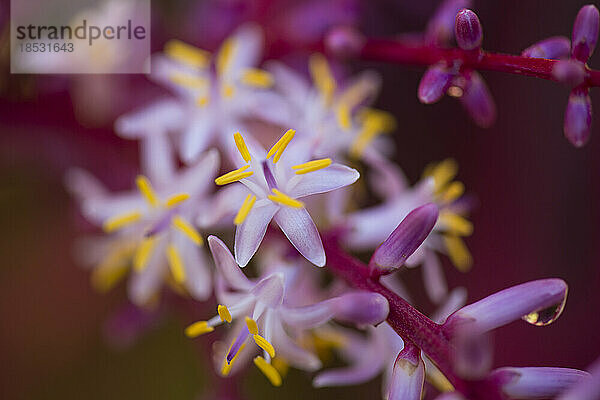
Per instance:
(442,173)
(228,91)
(202,101)
(375,122)
(145,188)
(198,328)
(358,92)
(113,267)
(281,198)
(188,229)
(187,54)
(233,176)
(437,379)
(225,55)
(456,224)
(142,253)
(311,166)
(176,264)
(265,345)
(280,365)
(453,192)
(226,367)
(189,81)
(241,146)
(268,371)
(244,209)
(343,117)
(458,252)
(322,76)
(224,313)
(176,199)
(279,147)
(257,78)
(252,326)
(120,221)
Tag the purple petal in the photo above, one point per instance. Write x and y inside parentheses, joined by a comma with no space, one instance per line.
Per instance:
(344,41)
(478,101)
(585,33)
(468,30)
(291,352)
(536,382)
(226,265)
(405,239)
(434,84)
(578,118)
(408,375)
(250,233)
(269,291)
(588,388)
(569,72)
(196,137)
(299,228)
(544,297)
(433,277)
(324,180)
(555,47)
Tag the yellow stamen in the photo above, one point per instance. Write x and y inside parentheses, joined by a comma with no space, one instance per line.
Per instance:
(437,379)
(244,209)
(188,229)
(252,326)
(443,173)
(113,268)
(375,122)
(224,313)
(241,145)
(189,81)
(176,199)
(257,78)
(279,147)
(458,252)
(226,367)
(280,365)
(343,117)
(228,91)
(265,345)
(268,371)
(311,166)
(145,188)
(456,224)
(281,198)
(120,221)
(322,76)
(142,254)
(233,176)
(187,54)
(453,192)
(225,55)
(176,264)
(198,328)
(202,101)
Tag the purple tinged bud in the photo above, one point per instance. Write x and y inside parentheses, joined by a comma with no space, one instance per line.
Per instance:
(468,30)
(538,302)
(434,84)
(536,382)
(477,100)
(569,72)
(585,33)
(405,239)
(440,28)
(344,41)
(408,375)
(555,47)
(578,118)
(361,308)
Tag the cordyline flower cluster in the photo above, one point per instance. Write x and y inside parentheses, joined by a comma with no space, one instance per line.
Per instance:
(280,142)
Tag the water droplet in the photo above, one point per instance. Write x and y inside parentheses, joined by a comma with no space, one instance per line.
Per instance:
(546,316)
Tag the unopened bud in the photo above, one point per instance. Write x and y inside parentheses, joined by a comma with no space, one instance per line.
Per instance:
(344,41)
(555,47)
(578,118)
(468,30)
(434,84)
(477,100)
(585,33)
(569,72)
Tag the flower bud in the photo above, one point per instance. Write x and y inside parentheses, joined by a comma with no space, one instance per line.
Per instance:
(468,30)
(405,239)
(578,118)
(585,33)
(344,41)
(361,308)
(434,84)
(408,375)
(554,47)
(536,382)
(569,72)
(477,100)
(538,302)
(440,28)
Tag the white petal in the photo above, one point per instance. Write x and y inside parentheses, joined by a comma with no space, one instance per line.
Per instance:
(83,185)
(248,47)
(300,229)
(250,233)
(197,276)
(226,265)
(196,137)
(291,352)
(289,83)
(160,117)
(222,207)
(145,284)
(433,277)
(324,180)
(157,159)
(198,178)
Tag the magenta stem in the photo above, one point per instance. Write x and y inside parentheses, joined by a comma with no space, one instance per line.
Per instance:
(411,53)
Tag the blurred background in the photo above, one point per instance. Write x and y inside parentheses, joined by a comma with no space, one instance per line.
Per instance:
(537,216)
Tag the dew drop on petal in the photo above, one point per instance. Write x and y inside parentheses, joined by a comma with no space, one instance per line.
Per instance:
(546,316)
